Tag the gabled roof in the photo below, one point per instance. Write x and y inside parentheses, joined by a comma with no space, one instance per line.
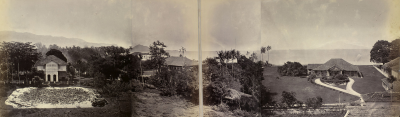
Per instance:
(392,63)
(179,61)
(49,59)
(313,66)
(339,63)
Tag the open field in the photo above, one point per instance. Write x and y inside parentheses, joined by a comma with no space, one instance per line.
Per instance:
(116,107)
(302,87)
(371,82)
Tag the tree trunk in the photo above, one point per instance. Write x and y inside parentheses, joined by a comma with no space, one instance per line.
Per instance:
(141,71)
(19,79)
(262,57)
(268,57)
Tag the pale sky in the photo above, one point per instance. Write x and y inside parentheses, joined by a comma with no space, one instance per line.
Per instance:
(121,22)
(316,24)
(283,24)
(224,21)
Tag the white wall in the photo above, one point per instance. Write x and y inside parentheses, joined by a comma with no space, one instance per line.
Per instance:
(51,69)
(40,68)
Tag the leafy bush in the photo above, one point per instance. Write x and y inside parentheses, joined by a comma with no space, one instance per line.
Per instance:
(174,82)
(221,107)
(340,77)
(289,98)
(311,77)
(115,88)
(314,103)
(292,69)
(213,92)
(99,80)
(99,103)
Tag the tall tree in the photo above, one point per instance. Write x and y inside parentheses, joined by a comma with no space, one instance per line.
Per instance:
(263,49)
(233,54)
(221,56)
(253,57)
(158,54)
(380,52)
(19,56)
(227,57)
(183,50)
(268,48)
(57,53)
(394,49)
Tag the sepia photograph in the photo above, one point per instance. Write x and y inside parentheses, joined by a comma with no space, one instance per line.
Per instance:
(195,58)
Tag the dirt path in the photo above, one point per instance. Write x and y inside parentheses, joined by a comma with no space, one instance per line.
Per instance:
(349,89)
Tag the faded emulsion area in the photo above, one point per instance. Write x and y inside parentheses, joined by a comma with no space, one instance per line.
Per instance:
(192,58)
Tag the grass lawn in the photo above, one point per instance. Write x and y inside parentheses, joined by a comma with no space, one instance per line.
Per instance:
(302,87)
(152,104)
(371,82)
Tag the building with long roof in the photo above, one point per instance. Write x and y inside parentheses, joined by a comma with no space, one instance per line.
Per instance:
(174,62)
(333,67)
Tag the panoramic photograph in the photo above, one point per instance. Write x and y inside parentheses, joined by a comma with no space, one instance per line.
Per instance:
(194,58)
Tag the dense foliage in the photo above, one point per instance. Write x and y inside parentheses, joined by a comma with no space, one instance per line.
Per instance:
(292,69)
(314,102)
(17,57)
(244,76)
(158,54)
(57,53)
(380,52)
(289,98)
(394,49)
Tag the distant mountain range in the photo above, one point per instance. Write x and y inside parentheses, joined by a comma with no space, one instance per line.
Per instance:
(46,39)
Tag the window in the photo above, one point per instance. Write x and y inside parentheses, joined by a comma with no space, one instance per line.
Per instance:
(48,77)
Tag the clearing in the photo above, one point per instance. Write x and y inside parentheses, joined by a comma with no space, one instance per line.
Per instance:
(371,82)
(302,87)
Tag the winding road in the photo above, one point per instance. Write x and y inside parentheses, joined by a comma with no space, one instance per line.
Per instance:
(349,89)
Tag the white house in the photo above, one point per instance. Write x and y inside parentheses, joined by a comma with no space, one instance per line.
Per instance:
(54,68)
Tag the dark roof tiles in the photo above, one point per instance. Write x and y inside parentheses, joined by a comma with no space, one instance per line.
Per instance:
(49,59)
(339,63)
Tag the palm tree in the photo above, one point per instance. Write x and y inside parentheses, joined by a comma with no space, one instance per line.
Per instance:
(262,51)
(268,48)
(183,50)
(233,54)
(221,56)
(227,57)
